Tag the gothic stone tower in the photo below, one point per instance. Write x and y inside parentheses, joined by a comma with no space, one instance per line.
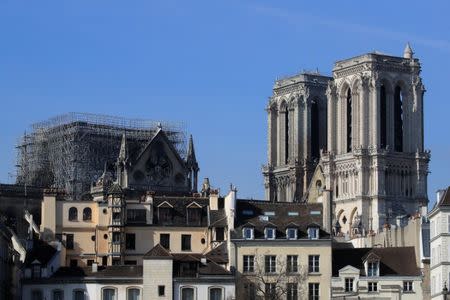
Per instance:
(297,131)
(376,164)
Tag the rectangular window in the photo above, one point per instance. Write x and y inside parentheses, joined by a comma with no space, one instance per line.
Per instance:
(372,286)
(186,242)
(36,295)
(292,291)
(220,234)
(313,263)
(313,291)
(292,265)
(270,263)
(194,216)
(136,216)
(130,241)
(250,291)
(270,291)
(165,215)
(130,262)
(313,233)
(372,269)
(292,233)
(407,286)
(349,284)
(249,263)
(90,262)
(36,271)
(161,290)
(69,241)
(247,233)
(58,295)
(164,240)
(116,261)
(78,295)
(270,233)
(116,237)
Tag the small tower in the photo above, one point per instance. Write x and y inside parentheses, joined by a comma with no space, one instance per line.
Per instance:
(192,165)
(122,163)
(408,52)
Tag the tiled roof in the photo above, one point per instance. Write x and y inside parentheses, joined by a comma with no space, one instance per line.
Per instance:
(218,254)
(179,210)
(218,218)
(158,252)
(102,272)
(280,214)
(394,261)
(211,268)
(445,199)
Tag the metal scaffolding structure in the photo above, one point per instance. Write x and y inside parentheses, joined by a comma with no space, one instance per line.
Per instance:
(70,151)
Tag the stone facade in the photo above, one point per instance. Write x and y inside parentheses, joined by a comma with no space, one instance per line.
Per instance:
(297,131)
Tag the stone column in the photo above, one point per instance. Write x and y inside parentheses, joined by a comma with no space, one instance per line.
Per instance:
(331,125)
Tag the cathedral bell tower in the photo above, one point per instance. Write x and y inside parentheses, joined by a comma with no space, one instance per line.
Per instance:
(376,164)
(297,133)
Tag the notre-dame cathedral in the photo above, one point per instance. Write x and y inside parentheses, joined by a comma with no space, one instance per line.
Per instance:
(358,134)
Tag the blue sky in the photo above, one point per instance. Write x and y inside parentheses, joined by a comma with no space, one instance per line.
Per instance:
(210,64)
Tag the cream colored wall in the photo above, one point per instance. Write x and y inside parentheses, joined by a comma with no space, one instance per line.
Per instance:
(175,238)
(155,273)
(303,251)
(48,220)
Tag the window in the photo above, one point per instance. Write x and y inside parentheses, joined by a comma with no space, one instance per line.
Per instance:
(349,108)
(164,240)
(134,294)
(36,295)
(313,233)
(407,286)
(87,214)
(292,265)
(73,263)
(165,215)
(313,263)
(383,119)
(69,241)
(130,241)
(194,216)
(270,233)
(187,293)
(249,263)
(349,284)
(58,295)
(36,271)
(161,290)
(130,262)
(90,262)
(250,291)
(315,130)
(116,237)
(220,234)
(270,291)
(372,268)
(115,262)
(215,293)
(247,232)
(73,214)
(398,120)
(291,233)
(313,291)
(185,242)
(136,216)
(78,295)
(292,291)
(109,294)
(270,263)
(372,286)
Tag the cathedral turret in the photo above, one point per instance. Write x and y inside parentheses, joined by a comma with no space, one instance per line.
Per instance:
(408,52)
(192,165)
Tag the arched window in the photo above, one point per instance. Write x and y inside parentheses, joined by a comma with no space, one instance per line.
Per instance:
(286,136)
(134,294)
(315,130)
(109,294)
(398,120)
(87,214)
(383,127)
(187,293)
(73,214)
(216,293)
(349,120)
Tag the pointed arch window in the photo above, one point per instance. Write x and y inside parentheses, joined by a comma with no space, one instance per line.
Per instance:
(349,119)
(315,130)
(286,136)
(398,120)
(383,127)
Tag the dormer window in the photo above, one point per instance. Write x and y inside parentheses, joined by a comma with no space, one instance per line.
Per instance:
(247,233)
(373,268)
(291,233)
(270,233)
(165,213)
(194,214)
(313,233)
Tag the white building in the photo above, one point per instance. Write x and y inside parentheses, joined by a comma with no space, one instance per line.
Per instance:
(439,244)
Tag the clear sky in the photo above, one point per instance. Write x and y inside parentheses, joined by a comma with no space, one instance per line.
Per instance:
(210,64)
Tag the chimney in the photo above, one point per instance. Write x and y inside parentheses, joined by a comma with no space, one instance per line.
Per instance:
(94,267)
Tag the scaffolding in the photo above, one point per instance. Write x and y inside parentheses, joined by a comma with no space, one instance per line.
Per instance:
(70,151)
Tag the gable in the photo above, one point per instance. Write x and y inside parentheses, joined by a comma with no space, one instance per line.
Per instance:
(159,166)
(316,186)
(349,270)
